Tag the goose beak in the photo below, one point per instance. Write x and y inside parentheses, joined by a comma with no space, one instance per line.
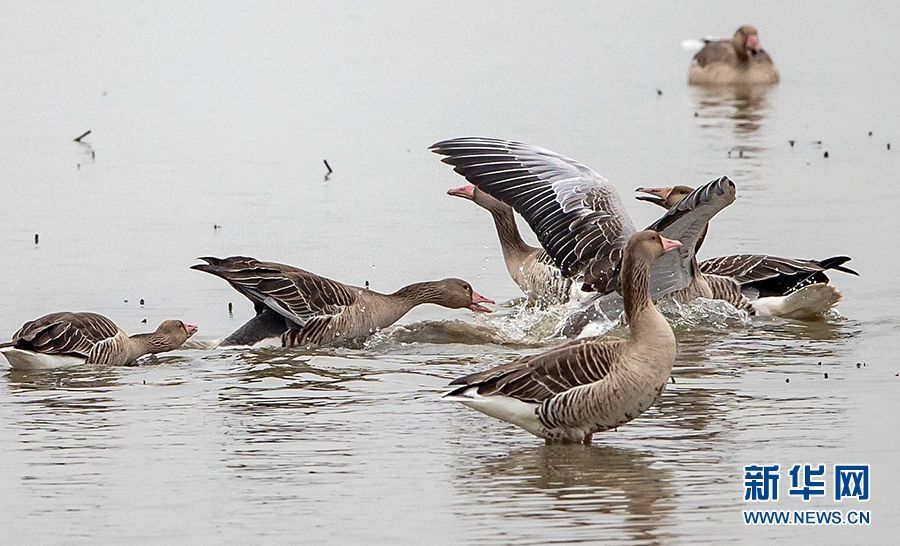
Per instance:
(657,196)
(478,298)
(669,244)
(191,329)
(466,192)
(752,43)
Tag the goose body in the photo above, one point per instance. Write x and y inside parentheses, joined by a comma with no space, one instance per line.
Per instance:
(532,269)
(305,309)
(588,385)
(748,281)
(67,339)
(739,60)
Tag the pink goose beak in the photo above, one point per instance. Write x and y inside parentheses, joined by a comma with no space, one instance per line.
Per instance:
(191,329)
(669,244)
(466,192)
(658,195)
(478,298)
(752,43)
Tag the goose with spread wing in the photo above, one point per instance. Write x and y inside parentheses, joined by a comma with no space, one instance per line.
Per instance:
(760,275)
(65,339)
(532,269)
(588,385)
(307,310)
(579,217)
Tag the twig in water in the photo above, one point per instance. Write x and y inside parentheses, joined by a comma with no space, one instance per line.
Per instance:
(84,134)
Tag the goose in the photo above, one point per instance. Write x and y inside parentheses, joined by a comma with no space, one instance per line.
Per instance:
(759,275)
(532,269)
(307,310)
(739,60)
(580,219)
(588,385)
(67,339)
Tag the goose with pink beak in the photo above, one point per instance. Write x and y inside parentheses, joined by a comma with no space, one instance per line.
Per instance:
(531,268)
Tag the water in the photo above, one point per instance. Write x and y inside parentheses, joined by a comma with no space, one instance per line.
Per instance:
(208,114)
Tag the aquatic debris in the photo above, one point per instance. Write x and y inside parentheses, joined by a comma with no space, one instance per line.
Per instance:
(37,238)
(82,135)
(826,154)
(142,301)
(791,142)
(230,309)
(659,92)
(327,166)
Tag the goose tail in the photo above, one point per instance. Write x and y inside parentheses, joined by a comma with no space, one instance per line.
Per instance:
(806,303)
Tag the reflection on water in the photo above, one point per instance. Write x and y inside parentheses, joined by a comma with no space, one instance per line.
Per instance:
(573,487)
(731,121)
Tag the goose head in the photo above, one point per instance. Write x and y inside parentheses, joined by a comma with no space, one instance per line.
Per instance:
(459,294)
(648,245)
(746,41)
(170,335)
(666,197)
(482,199)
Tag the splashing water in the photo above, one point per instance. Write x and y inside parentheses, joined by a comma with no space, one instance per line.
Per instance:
(715,314)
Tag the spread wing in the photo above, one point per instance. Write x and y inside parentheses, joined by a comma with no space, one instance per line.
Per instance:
(294,293)
(577,215)
(540,377)
(686,222)
(64,333)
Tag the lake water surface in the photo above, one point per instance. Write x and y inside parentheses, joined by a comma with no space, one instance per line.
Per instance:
(221,114)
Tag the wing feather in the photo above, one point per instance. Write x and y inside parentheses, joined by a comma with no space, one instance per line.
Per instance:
(294,293)
(562,200)
(537,378)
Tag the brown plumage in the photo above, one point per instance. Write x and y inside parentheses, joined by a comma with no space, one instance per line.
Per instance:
(588,385)
(532,269)
(306,309)
(88,337)
(739,60)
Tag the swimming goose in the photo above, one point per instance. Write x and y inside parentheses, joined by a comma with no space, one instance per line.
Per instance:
(305,309)
(592,384)
(67,339)
(530,268)
(758,275)
(739,60)
(580,219)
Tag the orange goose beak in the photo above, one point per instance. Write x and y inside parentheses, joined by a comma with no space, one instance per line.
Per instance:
(191,329)
(478,298)
(466,192)
(669,244)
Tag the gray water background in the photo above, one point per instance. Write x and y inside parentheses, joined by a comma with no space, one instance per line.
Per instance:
(221,113)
